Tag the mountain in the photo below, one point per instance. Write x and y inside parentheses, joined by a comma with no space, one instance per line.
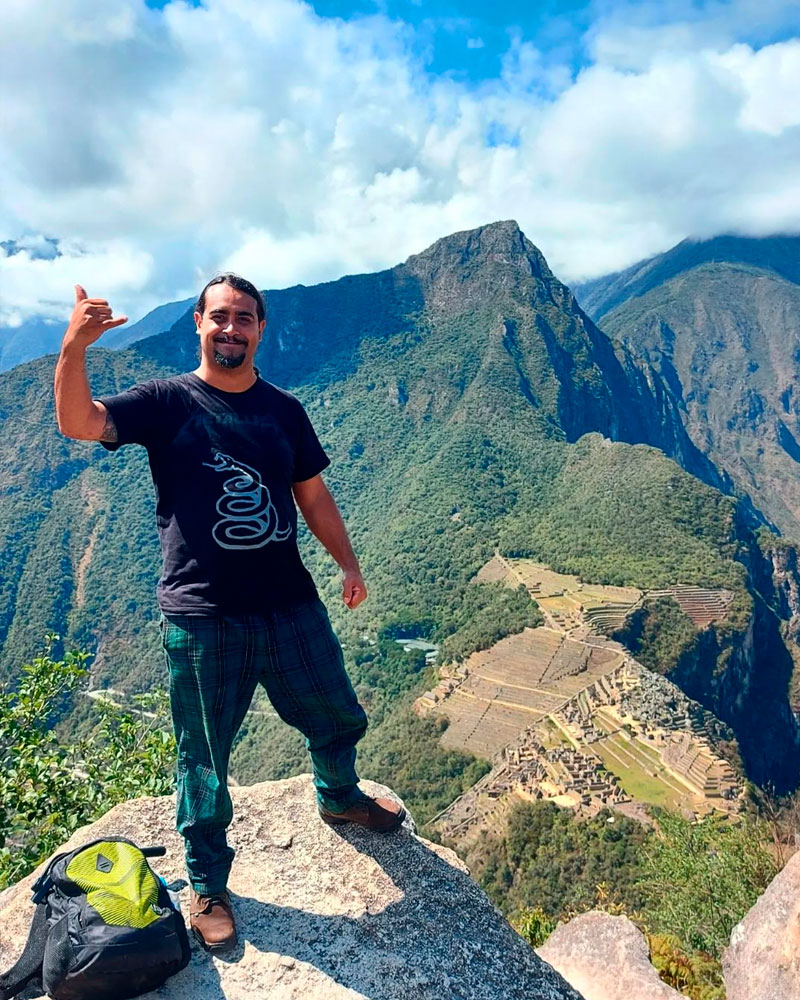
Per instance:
(30,340)
(38,337)
(719,322)
(469,405)
(158,320)
(779,254)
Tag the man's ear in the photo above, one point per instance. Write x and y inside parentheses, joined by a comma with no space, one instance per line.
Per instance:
(198,319)
(261,326)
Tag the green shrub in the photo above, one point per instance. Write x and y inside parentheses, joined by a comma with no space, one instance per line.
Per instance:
(533,924)
(701,878)
(697,976)
(49,787)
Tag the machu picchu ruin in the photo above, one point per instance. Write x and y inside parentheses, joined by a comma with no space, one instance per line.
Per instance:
(568,602)
(594,754)
(499,692)
(565,713)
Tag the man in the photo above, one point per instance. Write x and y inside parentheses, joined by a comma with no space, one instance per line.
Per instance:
(230,455)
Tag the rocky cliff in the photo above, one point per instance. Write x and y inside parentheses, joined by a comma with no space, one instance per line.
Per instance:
(762,961)
(353,915)
(744,669)
(326,914)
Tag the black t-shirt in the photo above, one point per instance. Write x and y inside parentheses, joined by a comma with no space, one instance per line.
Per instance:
(223,465)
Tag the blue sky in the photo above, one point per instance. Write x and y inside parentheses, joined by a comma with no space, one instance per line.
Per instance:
(470,39)
(295,142)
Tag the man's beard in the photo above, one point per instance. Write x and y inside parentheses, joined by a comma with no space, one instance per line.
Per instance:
(225,361)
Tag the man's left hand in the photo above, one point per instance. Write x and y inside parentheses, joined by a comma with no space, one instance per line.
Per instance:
(354,590)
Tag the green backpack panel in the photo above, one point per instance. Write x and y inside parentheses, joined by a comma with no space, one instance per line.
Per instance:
(105,927)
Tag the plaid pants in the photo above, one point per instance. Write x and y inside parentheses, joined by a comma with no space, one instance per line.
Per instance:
(214,666)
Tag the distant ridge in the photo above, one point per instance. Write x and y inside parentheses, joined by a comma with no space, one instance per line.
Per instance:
(719,320)
(158,320)
(780,254)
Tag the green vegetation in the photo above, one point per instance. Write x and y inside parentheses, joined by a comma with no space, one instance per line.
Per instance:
(696,975)
(533,924)
(488,613)
(657,634)
(48,786)
(625,516)
(547,859)
(686,884)
(700,878)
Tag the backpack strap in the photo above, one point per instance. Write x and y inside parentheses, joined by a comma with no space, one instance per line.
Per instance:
(29,965)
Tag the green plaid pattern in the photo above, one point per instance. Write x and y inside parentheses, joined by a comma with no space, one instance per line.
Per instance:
(214,666)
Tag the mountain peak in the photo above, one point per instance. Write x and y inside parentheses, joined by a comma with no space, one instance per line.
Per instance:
(495,237)
(498,246)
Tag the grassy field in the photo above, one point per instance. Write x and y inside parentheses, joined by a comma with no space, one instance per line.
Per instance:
(635,780)
(551,736)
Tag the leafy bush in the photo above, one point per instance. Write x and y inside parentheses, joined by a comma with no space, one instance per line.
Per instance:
(50,787)
(700,878)
(533,924)
(698,976)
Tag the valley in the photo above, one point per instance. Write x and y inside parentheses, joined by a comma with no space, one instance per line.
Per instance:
(469,407)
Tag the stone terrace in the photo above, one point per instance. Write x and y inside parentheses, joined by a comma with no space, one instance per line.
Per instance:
(506,689)
(637,720)
(702,605)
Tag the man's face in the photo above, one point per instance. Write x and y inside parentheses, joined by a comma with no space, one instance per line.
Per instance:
(229,328)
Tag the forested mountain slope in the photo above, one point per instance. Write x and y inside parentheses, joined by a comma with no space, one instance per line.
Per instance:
(720,322)
(468,404)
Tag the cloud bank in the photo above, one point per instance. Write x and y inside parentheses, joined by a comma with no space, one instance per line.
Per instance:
(159,146)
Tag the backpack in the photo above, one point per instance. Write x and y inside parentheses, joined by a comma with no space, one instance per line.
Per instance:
(105,926)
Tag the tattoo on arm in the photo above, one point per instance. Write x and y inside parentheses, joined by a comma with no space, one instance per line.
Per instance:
(109,430)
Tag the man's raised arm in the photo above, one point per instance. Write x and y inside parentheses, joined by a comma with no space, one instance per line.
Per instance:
(78,415)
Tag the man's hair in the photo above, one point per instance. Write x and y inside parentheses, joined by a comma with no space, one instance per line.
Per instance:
(240,284)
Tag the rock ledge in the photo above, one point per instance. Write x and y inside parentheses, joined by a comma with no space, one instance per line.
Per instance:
(328,914)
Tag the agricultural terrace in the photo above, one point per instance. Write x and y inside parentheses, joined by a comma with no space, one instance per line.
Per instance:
(498,693)
(594,754)
(570,604)
(567,714)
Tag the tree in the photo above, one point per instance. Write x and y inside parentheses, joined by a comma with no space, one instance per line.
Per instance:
(49,787)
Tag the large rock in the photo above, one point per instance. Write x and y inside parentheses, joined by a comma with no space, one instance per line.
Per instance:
(606,958)
(762,961)
(329,915)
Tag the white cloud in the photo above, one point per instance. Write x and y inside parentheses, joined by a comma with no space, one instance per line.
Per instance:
(28,279)
(252,133)
(768,80)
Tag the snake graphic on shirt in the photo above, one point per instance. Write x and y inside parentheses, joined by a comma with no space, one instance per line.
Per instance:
(248,516)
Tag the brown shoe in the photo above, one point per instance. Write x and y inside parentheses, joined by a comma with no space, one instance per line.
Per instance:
(211,919)
(383,815)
